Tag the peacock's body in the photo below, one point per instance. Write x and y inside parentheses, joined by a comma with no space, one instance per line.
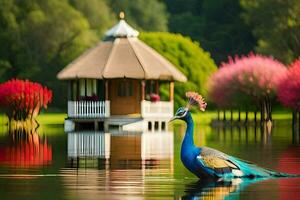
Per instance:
(206,162)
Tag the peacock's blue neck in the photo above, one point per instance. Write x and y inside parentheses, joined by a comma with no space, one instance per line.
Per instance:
(188,140)
(188,149)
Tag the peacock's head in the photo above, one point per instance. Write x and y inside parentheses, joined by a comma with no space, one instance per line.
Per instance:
(193,99)
(181,113)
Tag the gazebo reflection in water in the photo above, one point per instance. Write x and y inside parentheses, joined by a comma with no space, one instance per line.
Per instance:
(125,150)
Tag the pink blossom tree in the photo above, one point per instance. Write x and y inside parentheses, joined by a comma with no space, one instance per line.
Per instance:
(289,89)
(247,82)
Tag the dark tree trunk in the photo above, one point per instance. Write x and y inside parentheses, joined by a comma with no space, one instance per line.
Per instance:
(246,133)
(262,132)
(268,109)
(262,111)
(224,115)
(255,132)
(294,126)
(255,117)
(239,115)
(231,116)
(218,115)
(246,119)
(294,120)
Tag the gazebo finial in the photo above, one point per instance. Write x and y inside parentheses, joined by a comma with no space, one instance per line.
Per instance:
(122,15)
(121,29)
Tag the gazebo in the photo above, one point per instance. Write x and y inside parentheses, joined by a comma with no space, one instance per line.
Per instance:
(113,82)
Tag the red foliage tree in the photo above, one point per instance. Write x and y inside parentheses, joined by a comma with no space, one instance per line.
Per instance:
(289,87)
(22,99)
(248,82)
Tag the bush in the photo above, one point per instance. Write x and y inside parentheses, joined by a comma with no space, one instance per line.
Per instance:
(188,57)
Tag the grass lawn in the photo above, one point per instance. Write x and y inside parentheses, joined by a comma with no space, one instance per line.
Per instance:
(207,116)
(202,118)
(51,118)
(44,118)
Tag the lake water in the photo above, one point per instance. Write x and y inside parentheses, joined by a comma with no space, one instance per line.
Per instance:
(50,164)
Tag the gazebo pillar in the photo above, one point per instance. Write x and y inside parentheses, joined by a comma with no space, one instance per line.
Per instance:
(106,89)
(143,85)
(70,90)
(156,87)
(171,92)
(77,90)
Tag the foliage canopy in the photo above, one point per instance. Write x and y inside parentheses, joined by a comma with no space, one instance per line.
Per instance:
(142,14)
(38,38)
(216,24)
(276,26)
(289,87)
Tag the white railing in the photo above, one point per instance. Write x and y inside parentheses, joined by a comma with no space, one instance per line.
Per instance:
(88,109)
(89,144)
(157,109)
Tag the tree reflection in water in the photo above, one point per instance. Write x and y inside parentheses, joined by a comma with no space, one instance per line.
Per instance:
(25,149)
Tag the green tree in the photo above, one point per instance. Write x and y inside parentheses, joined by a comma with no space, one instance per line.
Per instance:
(188,57)
(97,12)
(4,69)
(276,25)
(38,37)
(8,29)
(142,14)
(216,24)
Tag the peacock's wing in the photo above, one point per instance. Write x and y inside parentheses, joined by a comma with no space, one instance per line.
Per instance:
(221,164)
(217,161)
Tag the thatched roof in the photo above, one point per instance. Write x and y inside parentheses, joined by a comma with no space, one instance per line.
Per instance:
(122,56)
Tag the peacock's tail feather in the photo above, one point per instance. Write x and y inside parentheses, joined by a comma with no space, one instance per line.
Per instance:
(253,171)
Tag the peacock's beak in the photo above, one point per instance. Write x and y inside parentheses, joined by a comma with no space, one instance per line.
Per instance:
(173,118)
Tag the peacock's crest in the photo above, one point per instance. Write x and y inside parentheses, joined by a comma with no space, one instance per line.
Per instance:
(195,99)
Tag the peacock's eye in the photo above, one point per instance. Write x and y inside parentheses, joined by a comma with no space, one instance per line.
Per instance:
(181,113)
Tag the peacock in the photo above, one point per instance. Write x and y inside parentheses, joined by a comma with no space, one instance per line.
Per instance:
(208,163)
